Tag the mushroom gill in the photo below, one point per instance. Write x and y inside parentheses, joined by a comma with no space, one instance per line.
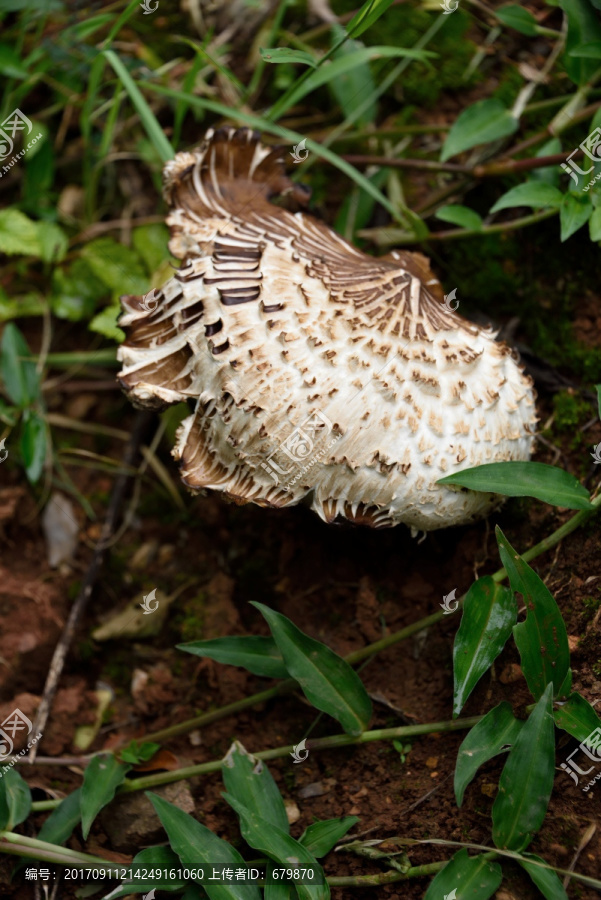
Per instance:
(314,369)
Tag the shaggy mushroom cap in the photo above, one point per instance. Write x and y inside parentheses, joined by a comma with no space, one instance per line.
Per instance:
(315,370)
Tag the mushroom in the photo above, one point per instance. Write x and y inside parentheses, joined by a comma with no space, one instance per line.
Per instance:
(314,370)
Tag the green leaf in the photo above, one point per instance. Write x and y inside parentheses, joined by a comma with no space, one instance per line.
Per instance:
(18,233)
(542,639)
(460,215)
(136,753)
(598,389)
(260,655)
(33,444)
(577,717)
(575,211)
(53,242)
(369,13)
(524,479)
(498,729)
(249,780)
(583,26)
(589,50)
(471,876)
(489,614)
(10,63)
(285,55)
(281,848)
(526,780)
(118,267)
(152,858)
(327,681)
(480,123)
(15,800)
(18,373)
(153,128)
(545,879)
(594,225)
(150,242)
(357,80)
(101,779)
(548,174)
(195,844)
(518,18)
(321,837)
(105,322)
(75,291)
(59,825)
(536,194)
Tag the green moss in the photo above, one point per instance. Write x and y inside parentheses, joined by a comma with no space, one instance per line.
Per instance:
(189,622)
(571,411)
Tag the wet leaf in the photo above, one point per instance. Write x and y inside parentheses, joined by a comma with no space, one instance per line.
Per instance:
(526,780)
(524,479)
(465,876)
(542,639)
(260,655)
(101,779)
(327,681)
(249,780)
(498,729)
(489,614)
(195,844)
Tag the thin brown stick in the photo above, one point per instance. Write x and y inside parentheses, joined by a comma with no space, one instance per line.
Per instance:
(140,424)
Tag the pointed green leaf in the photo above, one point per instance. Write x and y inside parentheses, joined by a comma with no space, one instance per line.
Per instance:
(281,848)
(498,729)
(369,13)
(594,225)
(321,837)
(101,779)
(195,844)
(575,211)
(460,215)
(542,639)
(526,780)
(480,123)
(260,655)
(15,800)
(285,55)
(577,717)
(536,194)
(148,859)
(589,50)
(249,780)
(545,878)
(466,876)
(59,825)
(524,479)
(583,26)
(326,680)
(519,18)
(33,444)
(489,614)
(20,380)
